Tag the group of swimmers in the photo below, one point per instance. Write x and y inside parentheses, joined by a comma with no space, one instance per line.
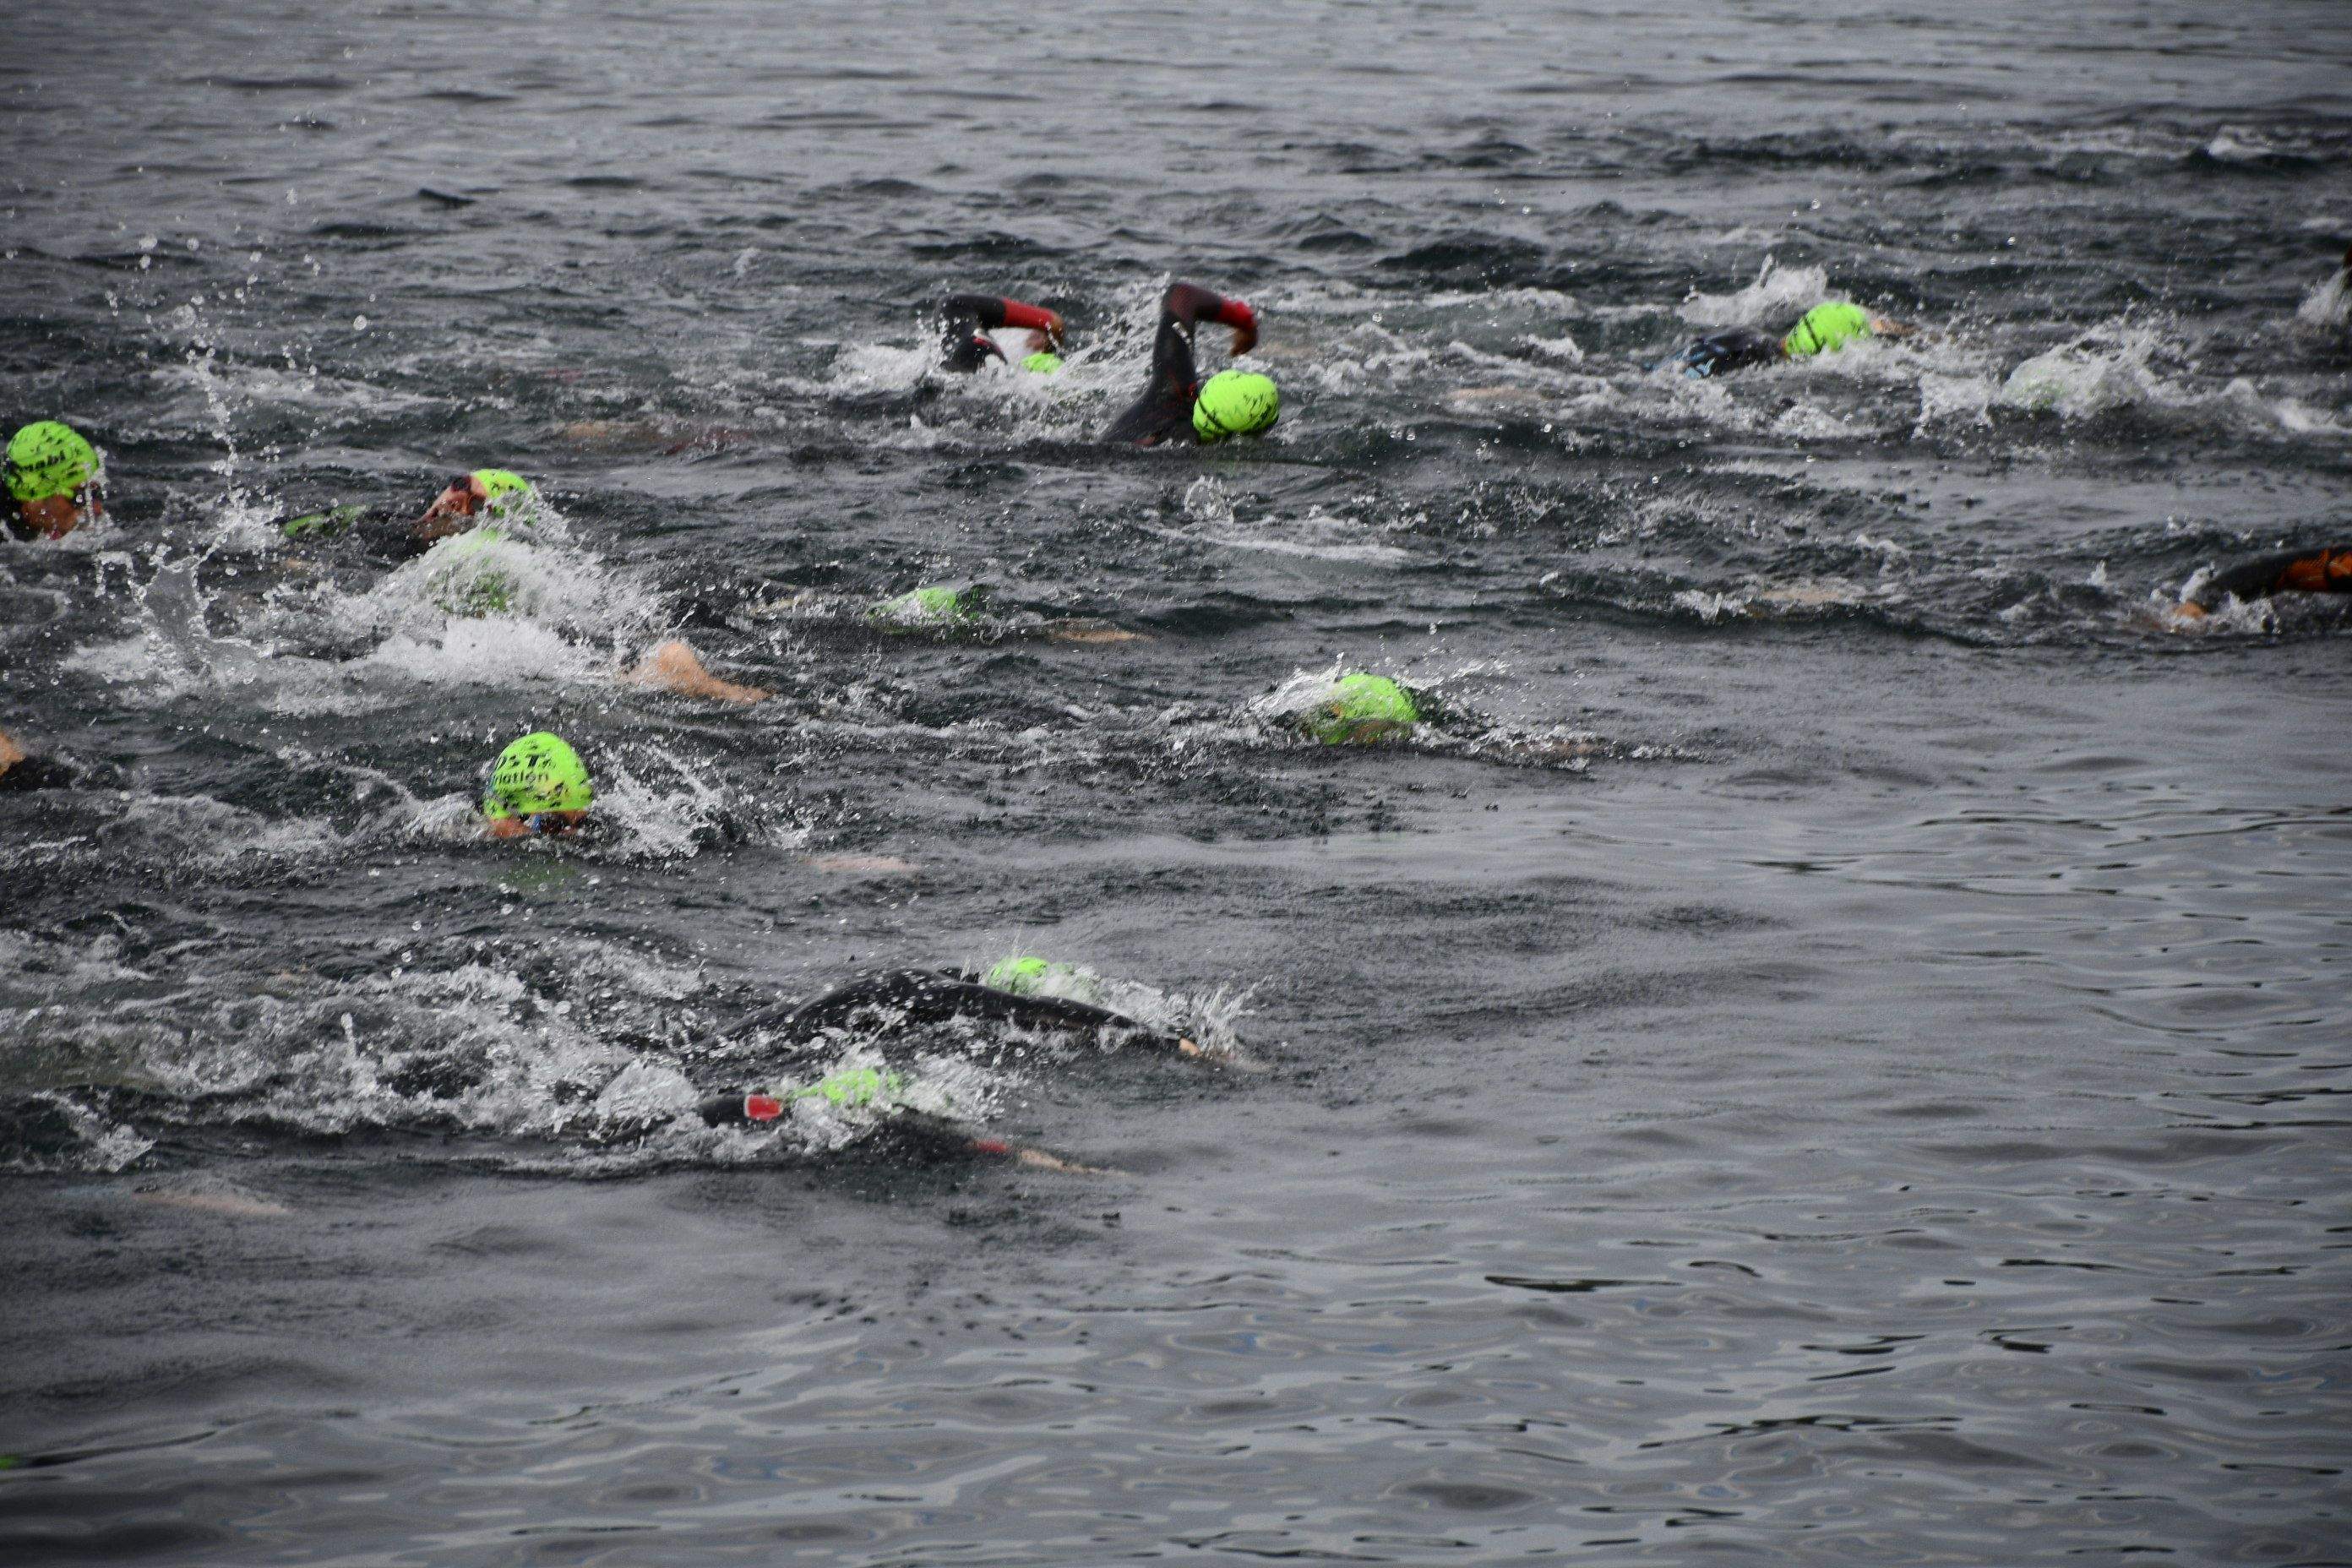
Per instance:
(540,787)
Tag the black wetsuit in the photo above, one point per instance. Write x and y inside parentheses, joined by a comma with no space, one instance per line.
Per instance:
(1164,411)
(2322,570)
(1738,349)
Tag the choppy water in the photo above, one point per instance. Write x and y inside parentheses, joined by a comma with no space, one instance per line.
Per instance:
(1830,1052)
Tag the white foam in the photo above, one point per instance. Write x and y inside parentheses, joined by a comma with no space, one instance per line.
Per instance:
(2330,306)
(1777,295)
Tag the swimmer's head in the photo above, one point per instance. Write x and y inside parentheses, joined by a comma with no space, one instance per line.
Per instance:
(539,783)
(48,459)
(1826,328)
(1044,361)
(54,477)
(1361,709)
(485,492)
(1235,403)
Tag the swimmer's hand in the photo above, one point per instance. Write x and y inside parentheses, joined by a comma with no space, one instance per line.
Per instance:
(1888,327)
(1243,321)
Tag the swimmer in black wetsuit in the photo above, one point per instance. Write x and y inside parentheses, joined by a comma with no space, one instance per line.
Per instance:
(1164,412)
(1825,329)
(2324,570)
(966,320)
(921,996)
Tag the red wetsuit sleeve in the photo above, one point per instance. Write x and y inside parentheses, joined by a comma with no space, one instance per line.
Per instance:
(1035,317)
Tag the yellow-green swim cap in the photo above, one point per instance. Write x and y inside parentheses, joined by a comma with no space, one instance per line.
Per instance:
(501,489)
(1234,403)
(1360,709)
(49,458)
(539,772)
(1826,328)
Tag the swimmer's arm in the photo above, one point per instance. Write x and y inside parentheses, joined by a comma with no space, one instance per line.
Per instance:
(1189,303)
(672,666)
(11,754)
(2322,571)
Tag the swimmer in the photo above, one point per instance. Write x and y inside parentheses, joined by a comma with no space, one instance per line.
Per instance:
(966,320)
(1825,329)
(54,480)
(467,502)
(471,505)
(2321,570)
(1175,404)
(1359,710)
(915,1136)
(1007,994)
(539,789)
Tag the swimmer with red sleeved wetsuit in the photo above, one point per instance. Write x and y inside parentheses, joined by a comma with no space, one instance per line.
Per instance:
(1175,404)
(966,320)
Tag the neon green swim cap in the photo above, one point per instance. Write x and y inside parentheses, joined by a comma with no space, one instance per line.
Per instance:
(1361,709)
(1044,361)
(47,459)
(501,488)
(924,607)
(853,1086)
(539,772)
(1234,403)
(1826,328)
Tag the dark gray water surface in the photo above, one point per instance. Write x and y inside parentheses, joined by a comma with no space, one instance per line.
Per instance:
(1829,1051)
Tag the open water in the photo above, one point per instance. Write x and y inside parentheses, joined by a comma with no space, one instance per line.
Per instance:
(1832,1050)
